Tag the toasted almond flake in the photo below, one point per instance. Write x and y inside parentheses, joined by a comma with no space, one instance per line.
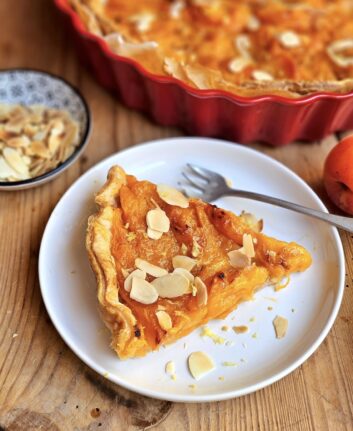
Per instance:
(129,49)
(38,149)
(248,245)
(251,221)
(157,220)
(164,320)
(196,248)
(176,8)
(185,262)
(18,142)
(171,285)
(202,295)
(154,270)
(242,329)
(281,325)
(13,158)
(336,52)
(238,258)
(243,44)
(137,274)
(174,68)
(142,291)
(143,21)
(172,196)
(200,364)
(185,273)
(289,39)
(238,64)
(229,364)
(260,75)
(253,23)
(154,234)
(207,332)
(170,367)
(6,171)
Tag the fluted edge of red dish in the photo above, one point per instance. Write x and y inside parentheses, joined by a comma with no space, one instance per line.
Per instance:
(272,119)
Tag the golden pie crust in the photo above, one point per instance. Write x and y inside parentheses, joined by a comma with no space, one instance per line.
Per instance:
(116,237)
(246,47)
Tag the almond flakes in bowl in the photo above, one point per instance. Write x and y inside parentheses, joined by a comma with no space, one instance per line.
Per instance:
(34,140)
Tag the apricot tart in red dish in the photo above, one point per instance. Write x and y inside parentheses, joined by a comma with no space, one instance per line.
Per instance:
(247,47)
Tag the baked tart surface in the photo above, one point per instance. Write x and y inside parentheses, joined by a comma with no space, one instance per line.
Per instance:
(248,47)
(166,265)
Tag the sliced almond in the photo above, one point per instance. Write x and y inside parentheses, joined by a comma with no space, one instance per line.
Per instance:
(253,23)
(289,39)
(6,171)
(154,234)
(176,8)
(260,75)
(239,259)
(142,291)
(171,285)
(281,325)
(200,364)
(142,21)
(196,248)
(249,219)
(248,245)
(39,149)
(164,320)
(238,64)
(157,220)
(336,51)
(13,158)
(185,273)
(172,196)
(170,367)
(201,292)
(154,270)
(18,142)
(128,280)
(243,45)
(185,262)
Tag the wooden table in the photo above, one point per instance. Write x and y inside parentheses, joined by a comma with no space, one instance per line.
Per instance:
(43,385)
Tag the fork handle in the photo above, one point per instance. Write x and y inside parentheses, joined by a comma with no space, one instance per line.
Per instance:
(345,223)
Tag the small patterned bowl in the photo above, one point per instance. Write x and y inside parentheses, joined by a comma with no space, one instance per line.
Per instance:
(32,87)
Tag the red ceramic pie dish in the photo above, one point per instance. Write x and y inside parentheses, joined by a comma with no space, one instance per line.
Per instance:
(272,119)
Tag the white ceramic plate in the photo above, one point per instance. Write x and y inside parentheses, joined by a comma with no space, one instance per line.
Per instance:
(310,302)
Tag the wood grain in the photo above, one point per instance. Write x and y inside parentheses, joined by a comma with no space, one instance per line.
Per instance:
(43,386)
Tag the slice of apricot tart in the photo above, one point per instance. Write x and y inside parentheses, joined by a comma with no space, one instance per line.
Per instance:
(166,265)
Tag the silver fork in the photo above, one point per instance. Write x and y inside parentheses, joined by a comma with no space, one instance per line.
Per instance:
(212,186)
